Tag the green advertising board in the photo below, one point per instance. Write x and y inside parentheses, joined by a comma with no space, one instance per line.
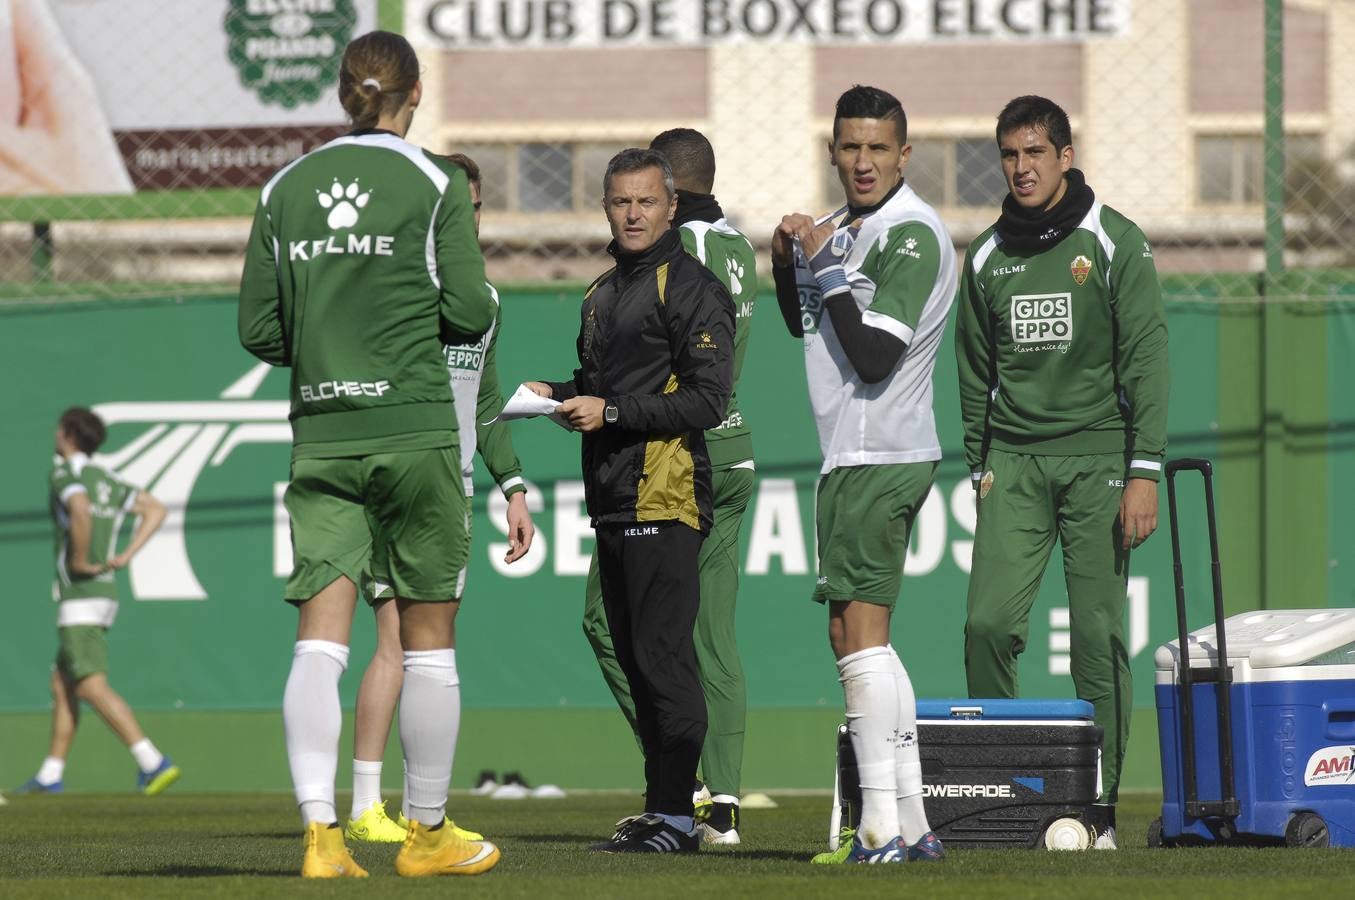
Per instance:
(202,425)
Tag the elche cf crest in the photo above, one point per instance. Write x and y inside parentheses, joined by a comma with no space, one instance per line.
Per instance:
(1081,268)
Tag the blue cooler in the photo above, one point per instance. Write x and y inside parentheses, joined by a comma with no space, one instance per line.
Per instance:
(1290,744)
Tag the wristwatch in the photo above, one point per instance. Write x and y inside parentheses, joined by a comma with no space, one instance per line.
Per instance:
(610,414)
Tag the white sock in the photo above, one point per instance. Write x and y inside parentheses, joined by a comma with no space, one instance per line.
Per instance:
(366,785)
(52,770)
(430,714)
(311,719)
(907,764)
(871,690)
(404,791)
(685,824)
(146,756)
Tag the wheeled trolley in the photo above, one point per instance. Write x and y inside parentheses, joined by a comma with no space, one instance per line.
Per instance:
(1257,731)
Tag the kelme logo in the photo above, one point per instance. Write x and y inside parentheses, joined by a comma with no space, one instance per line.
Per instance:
(343,203)
(288,51)
(735,270)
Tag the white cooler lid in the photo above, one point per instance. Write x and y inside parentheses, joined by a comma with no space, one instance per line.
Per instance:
(1272,639)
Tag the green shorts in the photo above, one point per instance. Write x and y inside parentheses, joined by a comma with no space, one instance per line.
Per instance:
(81,651)
(864,515)
(399,518)
(374,591)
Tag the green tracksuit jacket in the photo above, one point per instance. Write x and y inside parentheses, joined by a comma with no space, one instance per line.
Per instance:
(1064,353)
(362,263)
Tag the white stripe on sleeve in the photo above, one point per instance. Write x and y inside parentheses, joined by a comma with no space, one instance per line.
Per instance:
(887,324)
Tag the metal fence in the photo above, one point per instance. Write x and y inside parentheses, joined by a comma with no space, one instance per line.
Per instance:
(134,133)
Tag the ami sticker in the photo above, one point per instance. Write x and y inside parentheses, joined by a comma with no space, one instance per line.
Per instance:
(1330,766)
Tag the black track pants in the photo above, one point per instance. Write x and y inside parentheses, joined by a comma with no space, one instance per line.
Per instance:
(651,591)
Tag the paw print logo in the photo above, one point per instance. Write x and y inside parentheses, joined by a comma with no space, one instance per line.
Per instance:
(911,243)
(735,274)
(343,203)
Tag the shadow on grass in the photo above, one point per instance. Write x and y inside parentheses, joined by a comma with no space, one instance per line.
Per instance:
(197,872)
(733,855)
(262,834)
(584,839)
(728,854)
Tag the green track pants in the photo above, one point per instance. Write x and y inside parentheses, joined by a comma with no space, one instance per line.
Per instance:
(717,651)
(1034,500)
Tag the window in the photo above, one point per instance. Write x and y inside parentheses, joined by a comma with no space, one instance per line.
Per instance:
(493,161)
(542,177)
(591,165)
(1230,169)
(946,172)
(545,177)
(978,173)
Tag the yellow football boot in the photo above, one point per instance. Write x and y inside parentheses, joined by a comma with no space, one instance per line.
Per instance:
(152,783)
(326,854)
(375,826)
(442,852)
(464,833)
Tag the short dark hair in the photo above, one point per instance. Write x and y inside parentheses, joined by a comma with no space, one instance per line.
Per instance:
(84,428)
(691,157)
(467,165)
(861,102)
(633,159)
(1032,111)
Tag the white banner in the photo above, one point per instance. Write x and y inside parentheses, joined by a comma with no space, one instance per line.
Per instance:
(110,96)
(536,24)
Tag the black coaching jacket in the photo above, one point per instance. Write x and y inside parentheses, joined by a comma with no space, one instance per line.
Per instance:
(657,342)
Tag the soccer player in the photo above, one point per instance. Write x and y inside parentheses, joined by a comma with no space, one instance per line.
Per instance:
(869,294)
(708,236)
(362,264)
(474,380)
(656,368)
(1062,351)
(88,507)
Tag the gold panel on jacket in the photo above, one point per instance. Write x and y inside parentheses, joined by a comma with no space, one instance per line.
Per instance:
(667,489)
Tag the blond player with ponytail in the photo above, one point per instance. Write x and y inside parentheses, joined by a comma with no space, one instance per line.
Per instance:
(363,262)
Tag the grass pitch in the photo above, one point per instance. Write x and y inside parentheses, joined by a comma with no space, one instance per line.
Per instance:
(192,845)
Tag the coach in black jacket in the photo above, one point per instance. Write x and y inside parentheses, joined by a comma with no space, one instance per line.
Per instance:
(656,367)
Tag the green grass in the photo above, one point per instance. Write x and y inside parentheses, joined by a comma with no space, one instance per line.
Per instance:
(177,845)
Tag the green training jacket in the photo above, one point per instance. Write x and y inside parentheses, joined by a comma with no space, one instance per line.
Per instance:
(362,263)
(1064,352)
(725,251)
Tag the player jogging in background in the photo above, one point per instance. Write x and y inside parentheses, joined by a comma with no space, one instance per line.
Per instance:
(88,506)
(362,264)
(1062,350)
(474,379)
(868,290)
(707,235)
